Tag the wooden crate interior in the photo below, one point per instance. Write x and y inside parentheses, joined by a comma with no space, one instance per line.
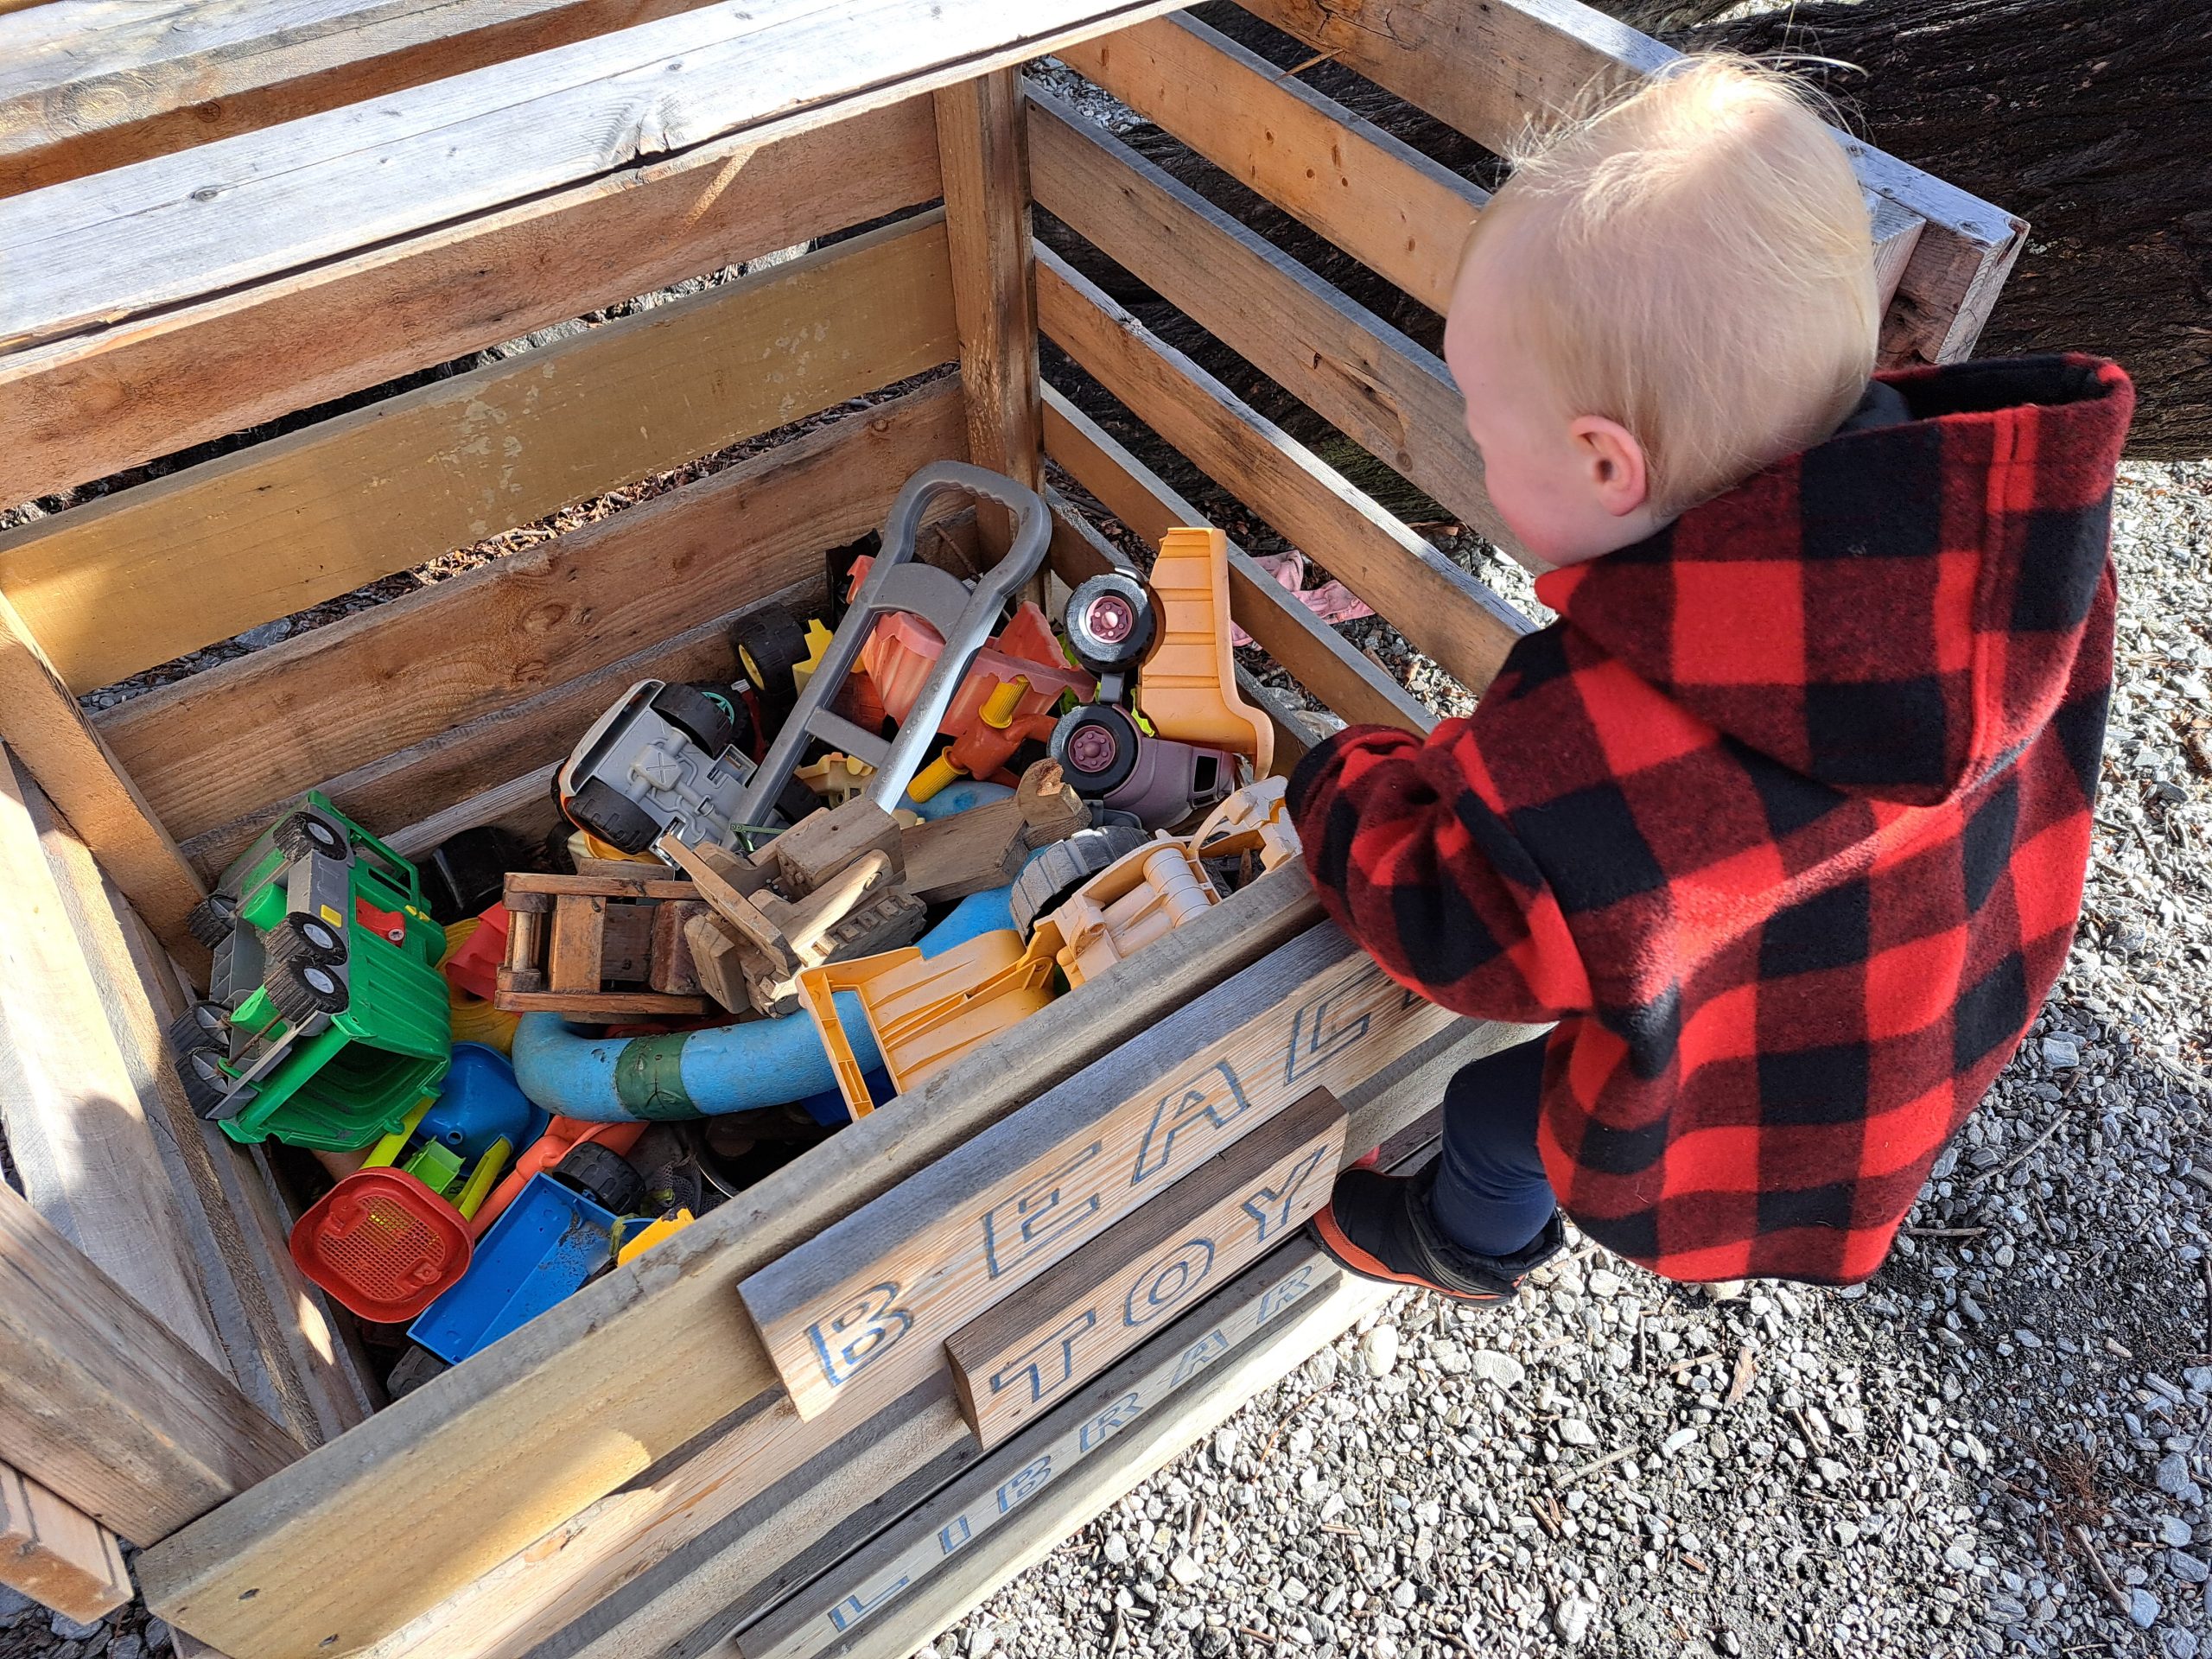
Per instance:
(291,404)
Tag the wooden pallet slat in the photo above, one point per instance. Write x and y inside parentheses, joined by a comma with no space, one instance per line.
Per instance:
(1494,68)
(1364,377)
(41,722)
(55,1552)
(139,577)
(244,208)
(1383,202)
(85,407)
(371,685)
(96,86)
(1445,612)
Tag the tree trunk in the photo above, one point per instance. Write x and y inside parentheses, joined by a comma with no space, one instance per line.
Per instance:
(2091,120)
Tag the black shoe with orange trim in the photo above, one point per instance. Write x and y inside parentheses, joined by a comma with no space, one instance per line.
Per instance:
(1379,1226)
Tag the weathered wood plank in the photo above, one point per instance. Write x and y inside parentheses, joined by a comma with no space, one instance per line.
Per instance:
(53,1552)
(87,85)
(632,1367)
(139,577)
(175,228)
(273,1326)
(1017,1360)
(891,1596)
(206,749)
(707,1543)
(425,778)
(873,1296)
(89,406)
(104,1405)
(1372,382)
(982,154)
(77,1129)
(1381,201)
(1444,612)
(1316,654)
(41,724)
(1494,68)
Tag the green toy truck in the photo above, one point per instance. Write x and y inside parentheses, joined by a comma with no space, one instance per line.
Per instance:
(327,1019)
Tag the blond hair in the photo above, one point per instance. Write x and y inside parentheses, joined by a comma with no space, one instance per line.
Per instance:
(1700,268)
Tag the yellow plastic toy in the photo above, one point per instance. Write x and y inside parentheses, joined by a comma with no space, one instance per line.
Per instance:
(927,1013)
(1187,688)
(818,641)
(836,777)
(1137,899)
(474,1019)
(652,1233)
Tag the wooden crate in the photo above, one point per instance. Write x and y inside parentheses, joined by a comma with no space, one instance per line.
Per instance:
(210,221)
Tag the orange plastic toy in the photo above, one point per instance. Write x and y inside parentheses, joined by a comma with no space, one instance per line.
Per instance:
(561,1135)
(1187,688)
(985,747)
(902,650)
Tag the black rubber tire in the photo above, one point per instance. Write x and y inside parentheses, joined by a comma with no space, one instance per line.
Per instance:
(303,989)
(770,643)
(604,1177)
(465,874)
(696,714)
(211,919)
(1095,777)
(309,832)
(206,1084)
(303,937)
(796,801)
(204,1025)
(1108,650)
(616,819)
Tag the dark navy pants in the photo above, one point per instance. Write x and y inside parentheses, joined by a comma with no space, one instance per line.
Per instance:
(1491,1195)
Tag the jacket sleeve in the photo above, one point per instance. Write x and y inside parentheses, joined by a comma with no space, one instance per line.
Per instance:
(1413,855)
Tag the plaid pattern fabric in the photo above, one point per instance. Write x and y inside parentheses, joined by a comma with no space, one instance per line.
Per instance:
(1785,821)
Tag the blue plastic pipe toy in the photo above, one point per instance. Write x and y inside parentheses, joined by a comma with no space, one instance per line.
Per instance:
(690,1074)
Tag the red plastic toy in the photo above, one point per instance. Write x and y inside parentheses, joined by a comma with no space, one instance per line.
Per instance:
(383,1243)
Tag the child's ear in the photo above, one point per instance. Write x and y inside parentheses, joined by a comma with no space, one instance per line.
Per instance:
(1613,461)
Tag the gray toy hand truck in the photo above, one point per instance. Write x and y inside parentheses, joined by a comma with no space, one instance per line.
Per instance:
(965,617)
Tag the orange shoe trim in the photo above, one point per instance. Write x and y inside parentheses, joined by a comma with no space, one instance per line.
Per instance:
(1349,1255)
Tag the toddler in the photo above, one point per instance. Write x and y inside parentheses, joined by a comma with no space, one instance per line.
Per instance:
(1782,825)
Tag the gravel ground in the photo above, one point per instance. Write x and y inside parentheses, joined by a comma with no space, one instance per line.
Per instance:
(1995,1447)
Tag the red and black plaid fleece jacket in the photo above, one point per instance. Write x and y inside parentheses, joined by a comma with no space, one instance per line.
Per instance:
(1785,821)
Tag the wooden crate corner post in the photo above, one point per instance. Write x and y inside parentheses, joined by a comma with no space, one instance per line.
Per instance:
(983,153)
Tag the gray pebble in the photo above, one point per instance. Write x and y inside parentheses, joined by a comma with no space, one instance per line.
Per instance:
(2143,1607)
(2186,1567)
(2173,1474)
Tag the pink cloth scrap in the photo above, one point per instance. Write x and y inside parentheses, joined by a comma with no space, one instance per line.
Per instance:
(1332,602)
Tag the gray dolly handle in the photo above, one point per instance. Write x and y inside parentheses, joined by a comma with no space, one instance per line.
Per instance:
(965,617)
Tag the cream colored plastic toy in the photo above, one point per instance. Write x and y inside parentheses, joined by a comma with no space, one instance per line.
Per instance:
(1133,901)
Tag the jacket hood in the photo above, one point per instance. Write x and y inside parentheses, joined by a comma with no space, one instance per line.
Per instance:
(1894,611)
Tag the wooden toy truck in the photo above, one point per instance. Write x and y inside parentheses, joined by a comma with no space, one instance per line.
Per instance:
(748,1436)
